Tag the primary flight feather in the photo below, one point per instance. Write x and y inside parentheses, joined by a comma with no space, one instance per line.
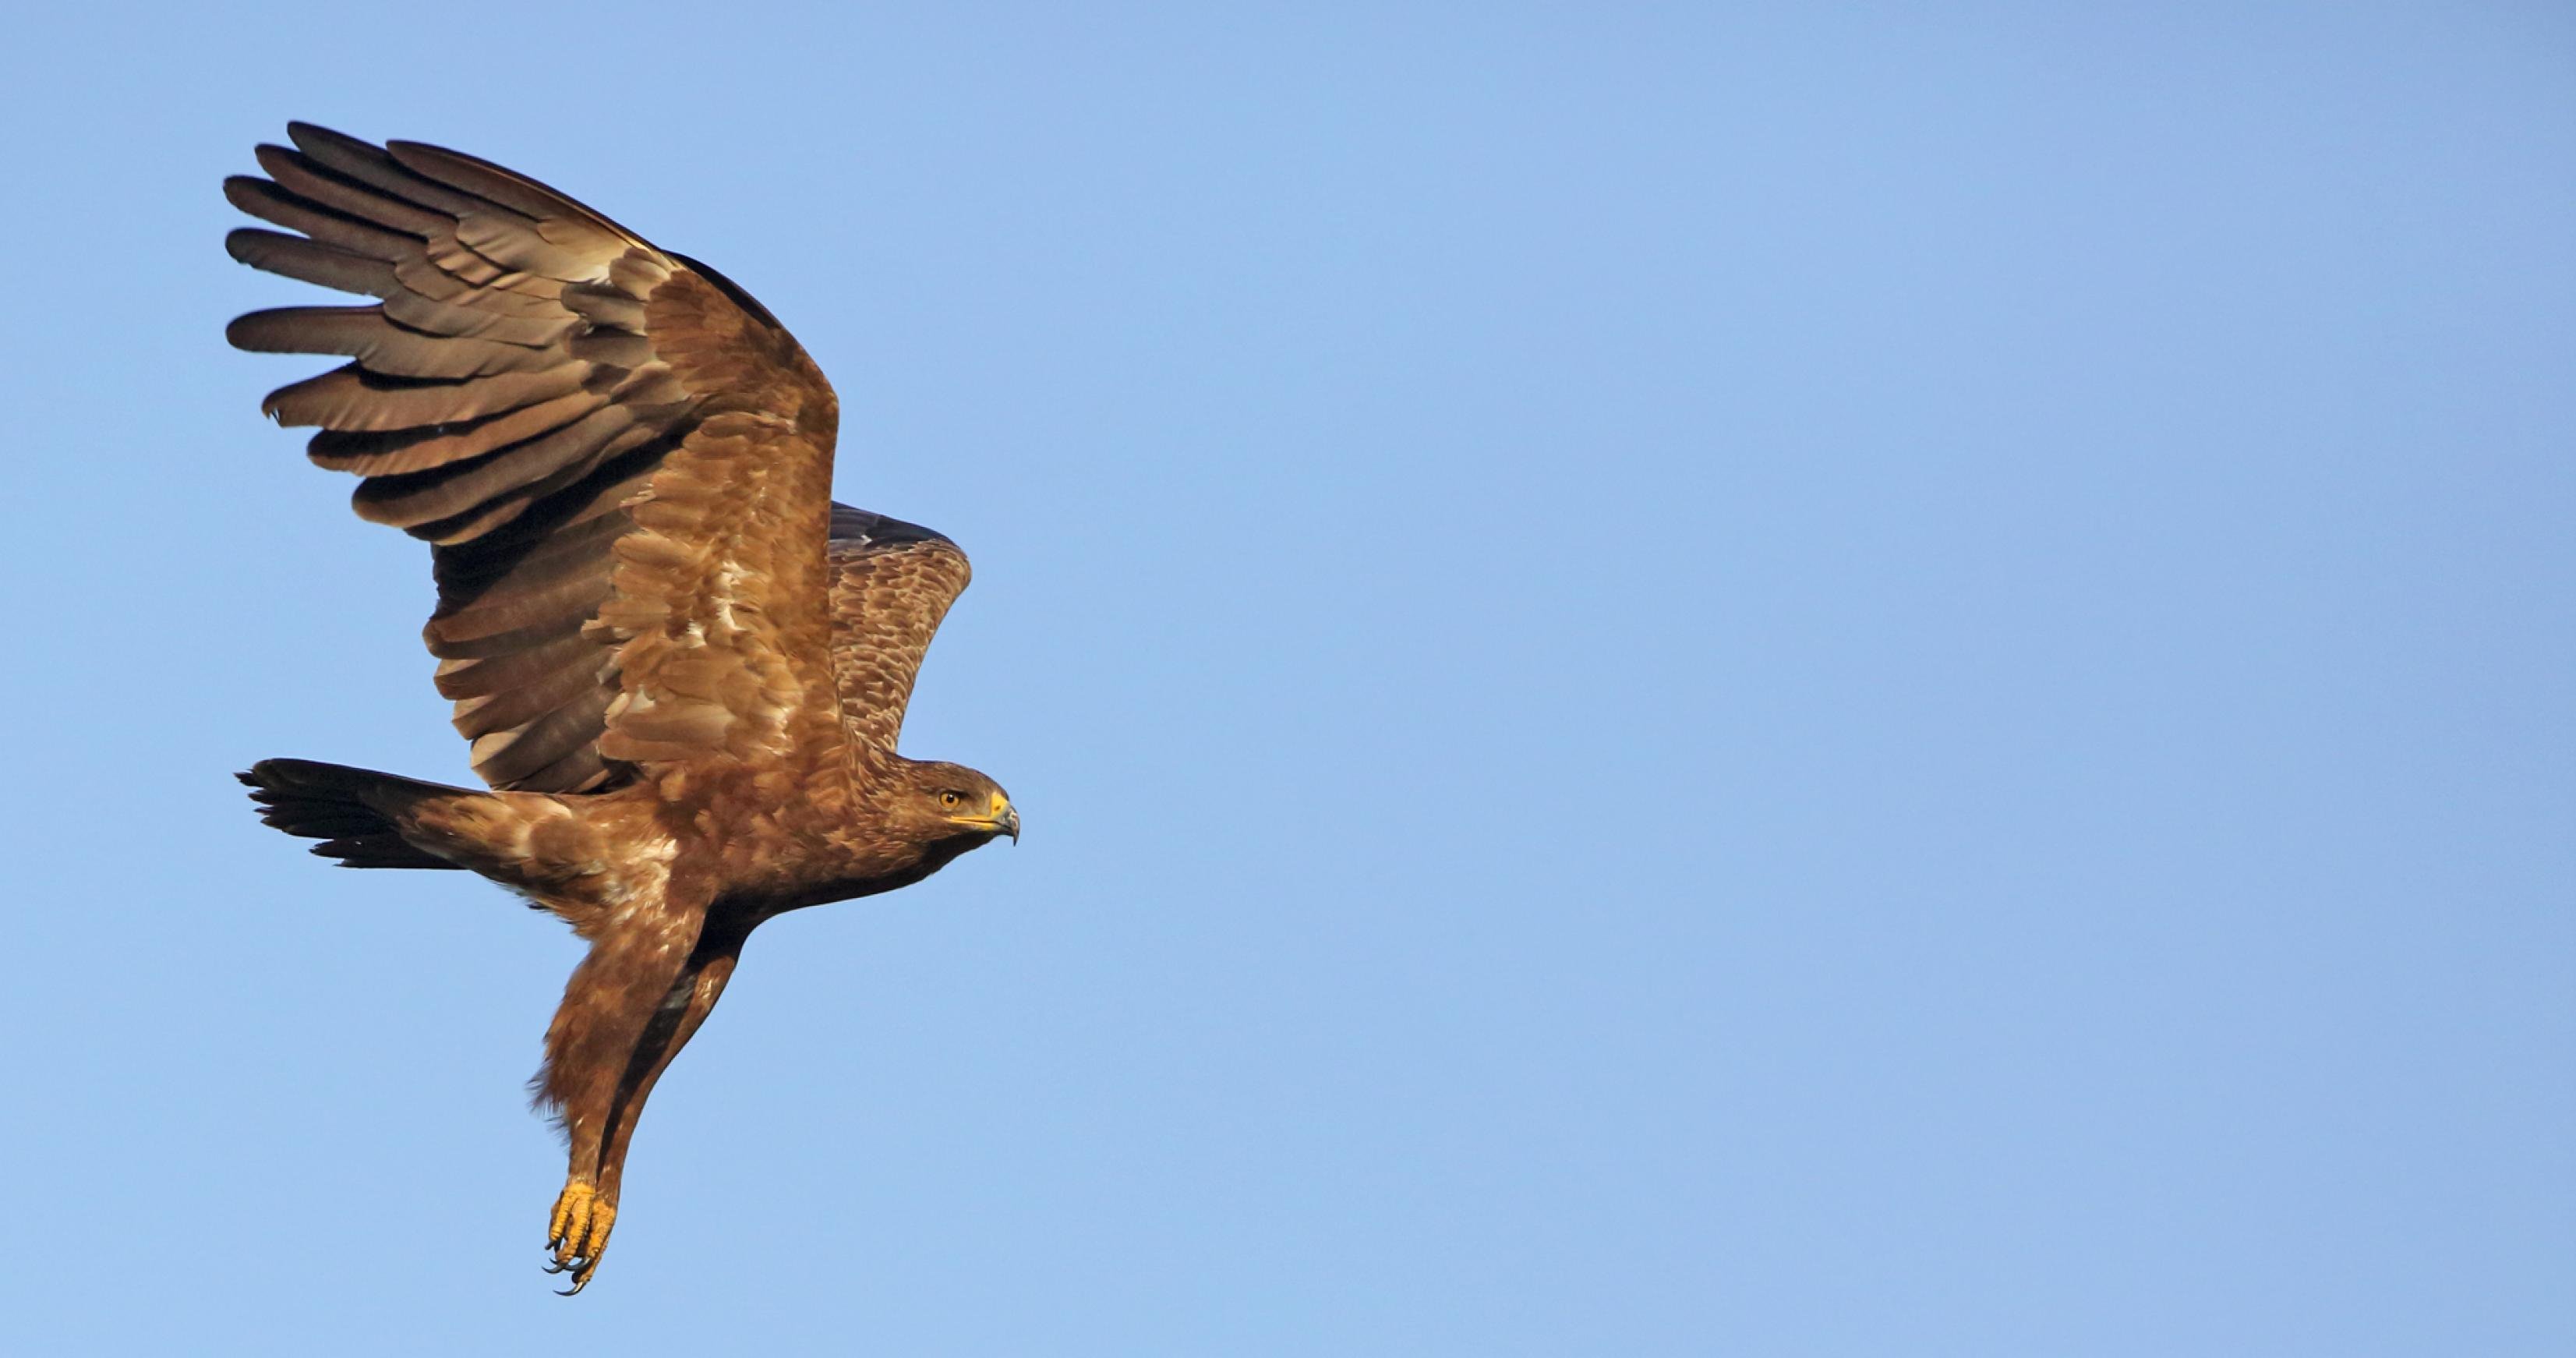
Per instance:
(682,667)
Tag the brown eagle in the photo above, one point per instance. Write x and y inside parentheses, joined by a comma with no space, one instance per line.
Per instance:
(683,668)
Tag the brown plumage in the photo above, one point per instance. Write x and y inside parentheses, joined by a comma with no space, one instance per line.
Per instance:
(682,668)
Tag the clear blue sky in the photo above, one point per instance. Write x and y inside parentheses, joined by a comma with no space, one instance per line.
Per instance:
(1789,680)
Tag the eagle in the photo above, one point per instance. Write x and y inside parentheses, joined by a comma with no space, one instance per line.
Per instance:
(681,666)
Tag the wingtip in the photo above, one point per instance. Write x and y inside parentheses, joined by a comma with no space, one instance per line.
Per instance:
(237,243)
(241,332)
(243,190)
(853,524)
(299,132)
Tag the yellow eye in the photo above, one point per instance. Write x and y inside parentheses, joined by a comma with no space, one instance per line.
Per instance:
(949,799)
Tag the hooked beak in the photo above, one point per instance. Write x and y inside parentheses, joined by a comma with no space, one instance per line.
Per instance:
(1004,819)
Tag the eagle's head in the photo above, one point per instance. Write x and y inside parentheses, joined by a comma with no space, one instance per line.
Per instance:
(940,802)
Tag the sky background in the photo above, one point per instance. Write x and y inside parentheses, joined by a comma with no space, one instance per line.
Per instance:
(1772,680)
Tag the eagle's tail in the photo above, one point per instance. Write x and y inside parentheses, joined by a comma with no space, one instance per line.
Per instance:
(354,812)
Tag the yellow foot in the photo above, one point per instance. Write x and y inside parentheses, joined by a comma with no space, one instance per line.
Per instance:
(578,1232)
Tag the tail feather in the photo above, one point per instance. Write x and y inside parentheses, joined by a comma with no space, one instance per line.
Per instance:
(354,812)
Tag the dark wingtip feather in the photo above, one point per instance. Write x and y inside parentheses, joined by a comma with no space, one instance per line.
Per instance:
(731,289)
(866,527)
(243,190)
(303,134)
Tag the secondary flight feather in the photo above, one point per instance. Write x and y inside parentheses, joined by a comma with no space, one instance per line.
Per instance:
(682,669)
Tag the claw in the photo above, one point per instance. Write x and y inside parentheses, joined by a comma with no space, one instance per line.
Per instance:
(577,1232)
(581,1270)
(572,1212)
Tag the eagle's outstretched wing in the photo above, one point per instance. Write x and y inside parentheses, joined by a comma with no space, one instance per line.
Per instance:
(622,461)
(892,582)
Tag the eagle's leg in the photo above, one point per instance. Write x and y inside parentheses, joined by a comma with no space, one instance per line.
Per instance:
(610,1007)
(600,1128)
(697,994)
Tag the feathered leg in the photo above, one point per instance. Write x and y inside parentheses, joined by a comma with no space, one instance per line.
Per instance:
(695,996)
(624,1017)
(608,1007)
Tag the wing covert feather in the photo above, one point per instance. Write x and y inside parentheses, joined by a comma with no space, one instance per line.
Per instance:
(892,584)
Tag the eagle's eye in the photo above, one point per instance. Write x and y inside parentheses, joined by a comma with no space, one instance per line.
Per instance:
(949,799)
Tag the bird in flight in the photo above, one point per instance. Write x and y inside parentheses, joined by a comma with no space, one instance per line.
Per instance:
(682,667)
